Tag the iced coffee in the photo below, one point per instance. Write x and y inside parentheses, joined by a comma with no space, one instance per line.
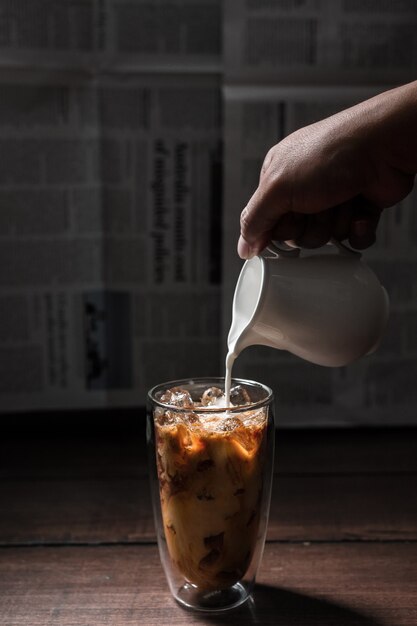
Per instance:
(210,465)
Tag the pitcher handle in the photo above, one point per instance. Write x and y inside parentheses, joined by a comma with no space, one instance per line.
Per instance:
(343,249)
(280,249)
(275,249)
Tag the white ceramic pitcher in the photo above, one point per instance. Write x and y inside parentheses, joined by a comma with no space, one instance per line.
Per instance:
(328,309)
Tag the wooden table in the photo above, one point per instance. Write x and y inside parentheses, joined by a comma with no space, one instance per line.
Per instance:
(77,543)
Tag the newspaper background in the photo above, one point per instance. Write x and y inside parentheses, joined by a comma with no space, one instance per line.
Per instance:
(112,35)
(112,121)
(110,278)
(328,41)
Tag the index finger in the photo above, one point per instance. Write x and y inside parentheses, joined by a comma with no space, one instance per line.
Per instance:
(269,202)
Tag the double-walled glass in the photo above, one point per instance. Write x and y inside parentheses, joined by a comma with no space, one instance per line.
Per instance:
(211,474)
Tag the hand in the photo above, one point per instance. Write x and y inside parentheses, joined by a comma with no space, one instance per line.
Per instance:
(333,178)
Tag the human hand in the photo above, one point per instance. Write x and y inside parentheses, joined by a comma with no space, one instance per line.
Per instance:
(332,179)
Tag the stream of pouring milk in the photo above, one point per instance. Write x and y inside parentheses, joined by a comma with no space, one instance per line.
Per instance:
(230,359)
(237,327)
(244,305)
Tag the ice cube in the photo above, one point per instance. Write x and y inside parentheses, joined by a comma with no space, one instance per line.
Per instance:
(178,397)
(191,420)
(184,436)
(244,437)
(159,415)
(230,423)
(212,396)
(254,418)
(239,396)
(166,418)
(238,433)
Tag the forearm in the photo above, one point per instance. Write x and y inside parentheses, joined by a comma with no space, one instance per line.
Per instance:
(388,125)
(395,115)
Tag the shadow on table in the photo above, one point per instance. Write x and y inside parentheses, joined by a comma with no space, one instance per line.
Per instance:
(273,606)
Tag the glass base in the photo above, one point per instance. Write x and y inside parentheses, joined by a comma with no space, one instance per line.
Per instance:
(191,597)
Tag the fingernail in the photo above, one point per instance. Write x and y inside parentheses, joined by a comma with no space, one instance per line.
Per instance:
(362,234)
(244,250)
(361,228)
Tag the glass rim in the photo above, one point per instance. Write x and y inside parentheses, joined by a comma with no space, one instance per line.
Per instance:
(211,409)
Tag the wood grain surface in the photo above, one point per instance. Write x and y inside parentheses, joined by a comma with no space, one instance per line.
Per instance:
(348,584)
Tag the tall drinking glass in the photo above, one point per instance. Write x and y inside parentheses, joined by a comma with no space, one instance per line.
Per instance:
(211,474)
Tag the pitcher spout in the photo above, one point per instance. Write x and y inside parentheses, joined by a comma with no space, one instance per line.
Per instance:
(253,336)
